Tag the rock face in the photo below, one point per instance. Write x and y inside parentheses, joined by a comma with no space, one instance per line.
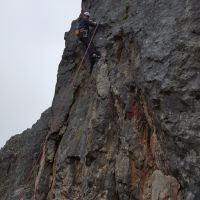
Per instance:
(130,129)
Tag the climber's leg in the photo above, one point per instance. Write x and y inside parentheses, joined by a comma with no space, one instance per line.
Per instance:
(92,49)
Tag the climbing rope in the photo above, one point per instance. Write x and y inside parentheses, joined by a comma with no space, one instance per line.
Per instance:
(28,179)
(44,145)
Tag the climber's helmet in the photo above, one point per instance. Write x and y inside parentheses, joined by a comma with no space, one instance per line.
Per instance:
(87,14)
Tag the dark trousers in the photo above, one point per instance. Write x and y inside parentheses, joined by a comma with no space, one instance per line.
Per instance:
(86,41)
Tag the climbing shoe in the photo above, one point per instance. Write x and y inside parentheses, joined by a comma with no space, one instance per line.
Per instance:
(94,55)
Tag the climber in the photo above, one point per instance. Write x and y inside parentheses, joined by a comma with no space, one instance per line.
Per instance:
(85,34)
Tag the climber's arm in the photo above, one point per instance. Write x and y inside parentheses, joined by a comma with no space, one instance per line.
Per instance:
(92,24)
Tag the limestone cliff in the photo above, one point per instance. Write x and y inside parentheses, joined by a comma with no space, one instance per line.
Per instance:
(130,129)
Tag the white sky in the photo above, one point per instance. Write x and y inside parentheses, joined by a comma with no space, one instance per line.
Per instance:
(31,46)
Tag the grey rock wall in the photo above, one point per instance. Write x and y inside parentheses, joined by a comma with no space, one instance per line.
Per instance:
(130,129)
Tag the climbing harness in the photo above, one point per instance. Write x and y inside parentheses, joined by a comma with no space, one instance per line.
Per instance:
(84,32)
(44,145)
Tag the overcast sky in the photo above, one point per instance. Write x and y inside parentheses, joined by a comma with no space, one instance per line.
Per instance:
(31,46)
